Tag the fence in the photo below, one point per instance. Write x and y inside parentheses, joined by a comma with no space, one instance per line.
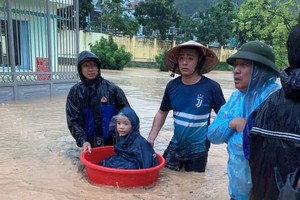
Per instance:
(38,48)
(143,49)
(39,44)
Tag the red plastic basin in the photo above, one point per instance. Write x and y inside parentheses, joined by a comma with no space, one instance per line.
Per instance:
(117,177)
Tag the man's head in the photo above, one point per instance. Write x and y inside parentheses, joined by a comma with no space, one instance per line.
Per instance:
(89,69)
(88,65)
(289,77)
(252,55)
(206,58)
(189,60)
(255,51)
(242,74)
(293,47)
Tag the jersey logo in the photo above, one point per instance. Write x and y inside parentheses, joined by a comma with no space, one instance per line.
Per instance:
(199,100)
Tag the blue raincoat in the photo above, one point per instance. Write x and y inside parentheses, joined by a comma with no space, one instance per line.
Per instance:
(241,104)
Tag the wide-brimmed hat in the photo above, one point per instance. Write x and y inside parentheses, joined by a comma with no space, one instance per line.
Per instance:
(171,57)
(255,51)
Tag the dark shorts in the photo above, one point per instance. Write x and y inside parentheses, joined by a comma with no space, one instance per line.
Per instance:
(194,162)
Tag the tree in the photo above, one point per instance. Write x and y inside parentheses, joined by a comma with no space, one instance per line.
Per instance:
(215,23)
(159,59)
(189,7)
(117,15)
(157,15)
(85,8)
(68,17)
(269,21)
(186,30)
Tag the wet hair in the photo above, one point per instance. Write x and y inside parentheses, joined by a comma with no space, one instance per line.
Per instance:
(293,46)
(201,58)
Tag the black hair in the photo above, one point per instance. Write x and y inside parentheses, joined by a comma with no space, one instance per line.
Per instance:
(293,46)
(200,64)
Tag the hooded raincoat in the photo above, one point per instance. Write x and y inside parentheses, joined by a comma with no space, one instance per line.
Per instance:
(275,138)
(241,104)
(132,151)
(91,104)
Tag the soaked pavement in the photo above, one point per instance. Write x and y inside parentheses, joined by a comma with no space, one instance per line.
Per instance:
(39,158)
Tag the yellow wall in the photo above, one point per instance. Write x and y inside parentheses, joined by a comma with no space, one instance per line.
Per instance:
(142,49)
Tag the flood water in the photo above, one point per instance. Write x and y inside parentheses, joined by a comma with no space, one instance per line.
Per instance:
(39,158)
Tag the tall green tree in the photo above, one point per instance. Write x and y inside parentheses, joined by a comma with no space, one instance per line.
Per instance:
(85,8)
(157,15)
(186,29)
(215,23)
(118,17)
(269,21)
(189,7)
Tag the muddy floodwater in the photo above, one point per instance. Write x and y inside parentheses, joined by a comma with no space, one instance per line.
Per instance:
(40,161)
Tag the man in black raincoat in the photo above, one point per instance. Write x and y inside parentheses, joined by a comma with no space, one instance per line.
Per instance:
(275,135)
(92,103)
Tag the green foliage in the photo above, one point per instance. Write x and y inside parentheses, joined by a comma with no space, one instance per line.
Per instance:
(157,15)
(186,30)
(85,7)
(223,66)
(111,56)
(118,18)
(130,26)
(189,7)
(215,23)
(269,21)
(159,59)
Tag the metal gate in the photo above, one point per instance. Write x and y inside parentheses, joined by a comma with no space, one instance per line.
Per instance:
(39,43)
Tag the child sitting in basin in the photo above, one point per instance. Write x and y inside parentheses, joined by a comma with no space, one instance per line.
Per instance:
(132,151)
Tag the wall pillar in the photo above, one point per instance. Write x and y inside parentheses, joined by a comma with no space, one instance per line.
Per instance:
(132,46)
(221,53)
(155,48)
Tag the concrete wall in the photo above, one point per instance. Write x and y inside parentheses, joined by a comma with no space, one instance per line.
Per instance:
(142,49)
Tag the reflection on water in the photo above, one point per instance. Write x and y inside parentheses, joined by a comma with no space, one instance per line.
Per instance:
(39,158)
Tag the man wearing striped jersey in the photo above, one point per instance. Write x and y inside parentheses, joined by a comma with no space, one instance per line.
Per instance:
(191,96)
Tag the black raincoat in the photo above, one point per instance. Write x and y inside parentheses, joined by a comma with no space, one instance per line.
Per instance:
(90,106)
(132,151)
(275,138)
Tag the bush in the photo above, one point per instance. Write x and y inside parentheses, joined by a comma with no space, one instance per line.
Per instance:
(110,55)
(159,59)
(223,66)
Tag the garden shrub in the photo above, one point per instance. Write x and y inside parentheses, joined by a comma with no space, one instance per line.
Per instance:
(159,59)
(223,66)
(110,55)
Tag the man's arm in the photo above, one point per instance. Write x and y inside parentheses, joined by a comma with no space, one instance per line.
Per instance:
(157,124)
